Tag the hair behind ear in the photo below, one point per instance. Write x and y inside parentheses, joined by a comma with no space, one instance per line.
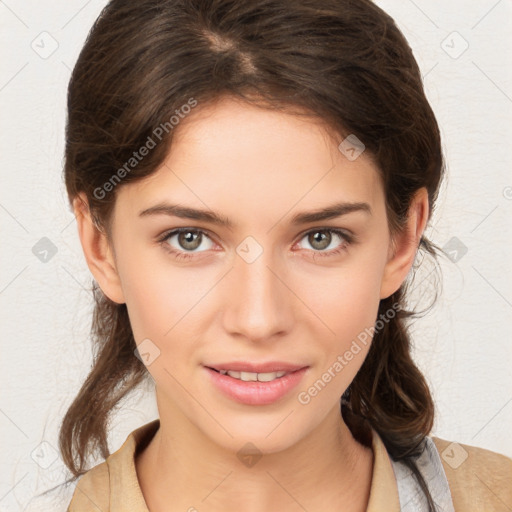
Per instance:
(115,372)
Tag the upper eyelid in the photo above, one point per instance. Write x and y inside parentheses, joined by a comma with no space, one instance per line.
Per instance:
(342,231)
(172,232)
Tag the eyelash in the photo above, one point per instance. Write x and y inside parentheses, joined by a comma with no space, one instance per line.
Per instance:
(183,255)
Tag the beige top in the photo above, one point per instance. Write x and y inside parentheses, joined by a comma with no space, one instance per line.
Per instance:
(480,480)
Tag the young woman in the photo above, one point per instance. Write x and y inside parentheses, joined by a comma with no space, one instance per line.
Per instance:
(251,182)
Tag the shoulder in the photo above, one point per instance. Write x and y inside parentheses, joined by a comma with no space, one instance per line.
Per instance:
(113,485)
(479,479)
(92,492)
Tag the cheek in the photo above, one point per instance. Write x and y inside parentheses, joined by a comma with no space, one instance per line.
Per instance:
(157,295)
(346,300)
(147,290)
(348,307)
(158,302)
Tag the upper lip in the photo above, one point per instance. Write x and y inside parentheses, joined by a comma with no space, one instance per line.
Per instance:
(268,367)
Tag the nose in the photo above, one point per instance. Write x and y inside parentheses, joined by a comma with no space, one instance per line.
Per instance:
(258,302)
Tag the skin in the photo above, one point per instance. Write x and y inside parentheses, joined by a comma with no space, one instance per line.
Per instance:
(258,168)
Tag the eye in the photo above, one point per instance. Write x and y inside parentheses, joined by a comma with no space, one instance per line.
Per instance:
(186,240)
(183,243)
(328,241)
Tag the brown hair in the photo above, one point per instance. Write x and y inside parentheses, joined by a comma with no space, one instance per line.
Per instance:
(343,61)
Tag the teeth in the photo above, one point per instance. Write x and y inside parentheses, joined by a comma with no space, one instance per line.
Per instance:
(253,377)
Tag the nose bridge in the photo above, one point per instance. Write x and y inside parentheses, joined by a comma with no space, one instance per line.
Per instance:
(258,303)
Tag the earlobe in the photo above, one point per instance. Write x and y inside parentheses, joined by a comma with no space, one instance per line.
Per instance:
(404,247)
(97,251)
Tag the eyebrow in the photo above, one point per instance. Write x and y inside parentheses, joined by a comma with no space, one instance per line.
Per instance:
(329,212)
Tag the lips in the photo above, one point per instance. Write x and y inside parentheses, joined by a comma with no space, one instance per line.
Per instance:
(266,389)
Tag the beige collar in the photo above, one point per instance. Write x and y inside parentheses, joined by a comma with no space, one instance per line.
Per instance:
(125,493)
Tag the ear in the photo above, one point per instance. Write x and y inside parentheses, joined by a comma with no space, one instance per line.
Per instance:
(404,246)
(97,251)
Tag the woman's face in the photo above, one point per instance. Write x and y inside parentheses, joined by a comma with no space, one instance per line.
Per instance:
(268,287)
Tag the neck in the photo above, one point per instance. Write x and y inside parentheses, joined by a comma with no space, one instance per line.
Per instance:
(326,468)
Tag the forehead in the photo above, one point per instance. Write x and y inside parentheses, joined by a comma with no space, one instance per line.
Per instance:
(250,162)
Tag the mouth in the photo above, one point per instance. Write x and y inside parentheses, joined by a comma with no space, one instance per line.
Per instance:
(235,381)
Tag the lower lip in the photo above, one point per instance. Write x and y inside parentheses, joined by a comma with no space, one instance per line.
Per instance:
(256,393)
